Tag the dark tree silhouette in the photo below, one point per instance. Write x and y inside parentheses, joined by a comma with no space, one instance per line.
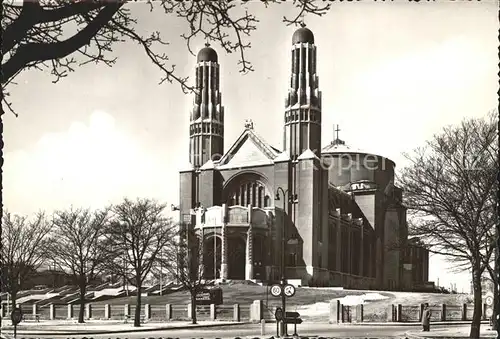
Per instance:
(450,191)
(135,236)
(183,262)
(24,245)
(59,35)
(75,247)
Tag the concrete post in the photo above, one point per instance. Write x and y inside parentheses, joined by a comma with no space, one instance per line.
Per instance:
(35,310)
(213,314)
(359,313)
(88,311)
(390,314)
(147,311)
(107,311)
(126,310)
(70,311)
(263,327)
(236,312)
(334,312)
(168,311)
(443,312)
(464,312)
(189,310)
(52,312)
(422,306)
(256,311)
(399,313)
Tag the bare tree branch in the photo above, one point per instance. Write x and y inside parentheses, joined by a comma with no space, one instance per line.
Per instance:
(134,237)
(76,249)
(23,249)
(40,34)
(450,193)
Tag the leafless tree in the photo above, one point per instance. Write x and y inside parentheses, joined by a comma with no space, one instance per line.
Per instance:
(184,263)
(137,232)
(450,189)
(60,35)
(23,250)
(75,247)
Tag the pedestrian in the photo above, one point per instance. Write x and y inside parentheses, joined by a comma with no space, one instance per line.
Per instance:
(426,318)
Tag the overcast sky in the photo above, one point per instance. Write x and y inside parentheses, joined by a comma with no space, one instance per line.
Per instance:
(392,75)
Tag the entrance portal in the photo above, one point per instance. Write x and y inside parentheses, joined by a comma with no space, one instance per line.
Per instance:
(236,258)
(212,262)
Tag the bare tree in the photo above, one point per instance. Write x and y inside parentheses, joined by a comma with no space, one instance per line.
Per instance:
(450,193)
(184,263)
(23,250)
(60,35)
(136,234)
(75,246)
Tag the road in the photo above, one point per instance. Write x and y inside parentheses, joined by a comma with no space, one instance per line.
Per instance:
(327,330)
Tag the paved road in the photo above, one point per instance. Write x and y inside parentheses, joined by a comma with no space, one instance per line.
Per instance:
(345,331)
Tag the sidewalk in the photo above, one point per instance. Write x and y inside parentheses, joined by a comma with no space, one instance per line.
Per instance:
(65,327)
(455,332)
(451,323)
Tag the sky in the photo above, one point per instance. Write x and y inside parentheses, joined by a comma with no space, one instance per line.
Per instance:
(392,74)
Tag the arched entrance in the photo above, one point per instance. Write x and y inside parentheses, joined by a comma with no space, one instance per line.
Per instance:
(236,258)
(211,257)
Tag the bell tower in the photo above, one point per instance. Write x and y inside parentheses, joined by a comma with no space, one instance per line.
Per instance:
(303,103)
(206,127)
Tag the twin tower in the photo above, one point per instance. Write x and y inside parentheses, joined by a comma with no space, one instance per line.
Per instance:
(302,120)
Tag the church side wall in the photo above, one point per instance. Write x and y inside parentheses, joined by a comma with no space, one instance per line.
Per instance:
(392,260)
(186,191)
(305,185)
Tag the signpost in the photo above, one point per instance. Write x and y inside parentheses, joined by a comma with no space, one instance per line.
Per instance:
(16,317)
(488,300)
(288,291)
(293,317)
(276,291)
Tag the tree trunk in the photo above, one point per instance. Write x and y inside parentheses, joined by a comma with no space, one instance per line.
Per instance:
(13,296)
(137,315)
(475,327)
(495,306)
(494,277)
(83,290)
(193,307)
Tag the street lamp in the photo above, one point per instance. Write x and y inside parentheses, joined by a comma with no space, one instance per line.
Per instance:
(287,199)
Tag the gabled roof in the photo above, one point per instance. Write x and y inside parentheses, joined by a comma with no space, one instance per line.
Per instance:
(249,149)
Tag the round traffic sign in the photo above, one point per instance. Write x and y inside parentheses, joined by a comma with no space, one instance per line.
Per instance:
(278,314)
(276,290)
(489,312)
(489,300)
(16,315)
(289,290)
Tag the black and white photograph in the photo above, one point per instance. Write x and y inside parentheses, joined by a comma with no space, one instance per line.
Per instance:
(250,169)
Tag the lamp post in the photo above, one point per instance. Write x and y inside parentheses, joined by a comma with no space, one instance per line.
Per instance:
(287,199)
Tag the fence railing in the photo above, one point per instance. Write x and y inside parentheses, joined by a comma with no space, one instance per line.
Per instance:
(254,312)
(401,313)
(166,312)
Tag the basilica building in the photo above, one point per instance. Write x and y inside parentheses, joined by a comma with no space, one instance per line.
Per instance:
(331,216)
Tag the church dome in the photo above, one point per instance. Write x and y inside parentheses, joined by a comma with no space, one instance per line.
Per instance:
(207,54)
(304,35)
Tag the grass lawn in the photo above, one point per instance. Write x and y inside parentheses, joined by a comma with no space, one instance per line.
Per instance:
(240,293)
(311,301)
